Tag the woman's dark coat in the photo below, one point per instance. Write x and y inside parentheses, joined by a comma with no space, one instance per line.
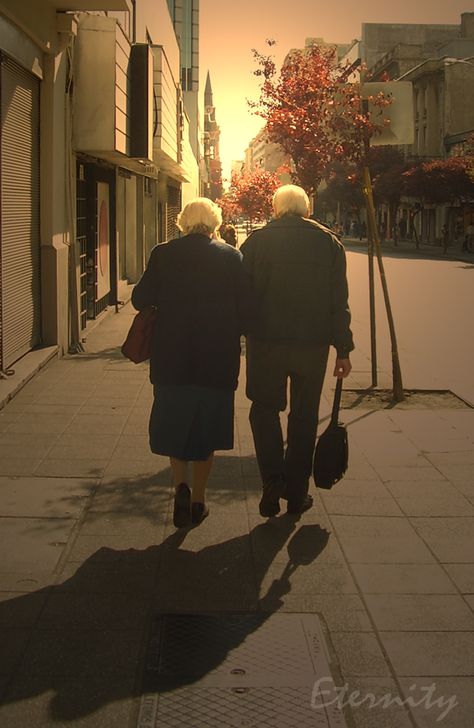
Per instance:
(204,303)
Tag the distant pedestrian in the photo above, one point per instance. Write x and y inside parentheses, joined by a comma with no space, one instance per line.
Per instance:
(445,238)
(402,226)
(470,236)
(199,288)
(363,230)
(228,234)
(298,272)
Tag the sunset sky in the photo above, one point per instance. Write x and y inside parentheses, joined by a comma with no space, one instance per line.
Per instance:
(228,31)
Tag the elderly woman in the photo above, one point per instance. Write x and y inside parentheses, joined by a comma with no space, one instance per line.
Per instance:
(202,297)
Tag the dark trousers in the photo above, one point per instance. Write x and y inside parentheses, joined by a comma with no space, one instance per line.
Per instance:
(269,367)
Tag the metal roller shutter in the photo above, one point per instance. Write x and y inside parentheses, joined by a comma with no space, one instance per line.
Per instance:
(20,319)
(173,207)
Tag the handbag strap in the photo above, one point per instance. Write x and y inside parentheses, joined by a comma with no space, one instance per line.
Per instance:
(337,403)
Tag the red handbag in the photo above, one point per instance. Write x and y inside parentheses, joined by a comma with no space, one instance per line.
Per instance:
(137,345)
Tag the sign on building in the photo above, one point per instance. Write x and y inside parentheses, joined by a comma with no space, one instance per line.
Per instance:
(401,129)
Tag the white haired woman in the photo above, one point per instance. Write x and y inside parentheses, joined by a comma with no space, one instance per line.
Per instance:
(202,297)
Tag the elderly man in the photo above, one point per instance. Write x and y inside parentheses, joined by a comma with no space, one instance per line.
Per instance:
(298,272)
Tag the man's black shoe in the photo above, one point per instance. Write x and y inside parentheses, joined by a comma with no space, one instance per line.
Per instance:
(301,507)
(270,502)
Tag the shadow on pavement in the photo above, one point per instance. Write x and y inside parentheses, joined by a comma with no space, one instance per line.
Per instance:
(86,646)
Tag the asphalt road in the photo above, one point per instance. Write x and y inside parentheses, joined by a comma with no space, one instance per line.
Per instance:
(433,307)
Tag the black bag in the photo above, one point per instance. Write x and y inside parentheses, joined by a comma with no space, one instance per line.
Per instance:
(331,455)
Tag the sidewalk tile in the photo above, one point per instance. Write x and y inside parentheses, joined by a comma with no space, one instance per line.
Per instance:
(464,457)
(376,691)
(453,505)
(402,579)
(470,600)
(30,544)
(460,472)
(65,653)
(362,506)
(402,472)
(404,489)
(342,612)
(463,576)
(315,578)
(380,540)
(115,547)
(359,654)
(13,642)
(428,612)
(123,524)
(71,468)
(214,532)
(96,424)
(87,701)
(443,701)
(43,497)
(123,467)
(430,653)
(78,611)
(19,610)
(106,577)
(450,539)
(142,495)
(359,489)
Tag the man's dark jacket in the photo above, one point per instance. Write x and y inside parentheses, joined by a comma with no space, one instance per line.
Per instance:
(202,297)
(298,273)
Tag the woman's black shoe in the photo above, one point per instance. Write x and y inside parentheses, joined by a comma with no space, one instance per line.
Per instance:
(182,506)
(199,511)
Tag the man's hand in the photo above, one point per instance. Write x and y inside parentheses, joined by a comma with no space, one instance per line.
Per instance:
(342,368)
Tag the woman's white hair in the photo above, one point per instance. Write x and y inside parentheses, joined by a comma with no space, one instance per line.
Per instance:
(200,215)
(290,200)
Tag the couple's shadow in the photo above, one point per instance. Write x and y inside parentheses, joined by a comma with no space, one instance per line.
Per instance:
(94,640)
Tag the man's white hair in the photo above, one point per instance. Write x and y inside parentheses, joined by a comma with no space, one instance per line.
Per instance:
(200,215)
(290,200)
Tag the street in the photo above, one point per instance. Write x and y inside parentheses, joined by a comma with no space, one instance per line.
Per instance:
(432,303)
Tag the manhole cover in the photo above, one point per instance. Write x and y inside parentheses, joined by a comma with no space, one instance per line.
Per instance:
(239,671)
(414,399)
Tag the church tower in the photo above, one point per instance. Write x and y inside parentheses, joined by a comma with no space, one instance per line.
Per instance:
(211,144)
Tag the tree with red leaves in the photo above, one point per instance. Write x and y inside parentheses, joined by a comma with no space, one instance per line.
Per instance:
(441,181)
(251,195)
(311,113)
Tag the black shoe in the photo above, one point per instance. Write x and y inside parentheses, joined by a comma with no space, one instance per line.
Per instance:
(301,506)
(270,501)
(182,506)
(199,511)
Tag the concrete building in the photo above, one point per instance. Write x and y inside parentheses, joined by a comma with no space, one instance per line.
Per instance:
(268,156)
(438,61)
(443,92)
(95,157)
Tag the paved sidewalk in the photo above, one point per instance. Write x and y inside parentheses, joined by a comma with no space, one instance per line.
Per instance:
(89,553)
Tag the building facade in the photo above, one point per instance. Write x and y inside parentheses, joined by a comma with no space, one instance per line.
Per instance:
(95,160)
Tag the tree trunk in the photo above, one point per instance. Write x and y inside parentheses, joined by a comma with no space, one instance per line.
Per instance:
(397,384)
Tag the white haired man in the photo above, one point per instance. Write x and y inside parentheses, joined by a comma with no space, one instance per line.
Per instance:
(298,273)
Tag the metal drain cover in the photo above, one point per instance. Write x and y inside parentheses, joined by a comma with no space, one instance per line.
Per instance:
(239,671)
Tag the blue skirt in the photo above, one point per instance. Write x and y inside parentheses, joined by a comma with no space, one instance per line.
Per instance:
(188,422)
